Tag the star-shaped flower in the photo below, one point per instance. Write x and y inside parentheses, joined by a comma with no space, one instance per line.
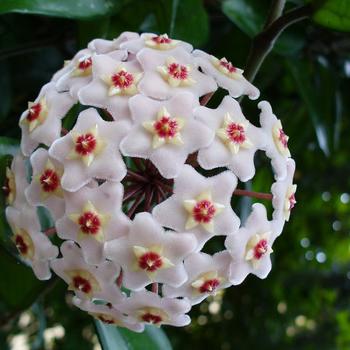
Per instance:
(93,216)
(45,188)
(168,74)
(156,42)
(41,122)
(251,246)
(90,150)
(165,132)
(226,75)
(85,280)
(206,275)
(34,247)
(148,254)
(284,194)
(276,140)
(200,205)
(147,307)
(16,182)
(236,139)
(107,314)
(113,83)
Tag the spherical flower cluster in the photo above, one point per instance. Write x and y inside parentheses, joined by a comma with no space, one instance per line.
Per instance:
(144,179)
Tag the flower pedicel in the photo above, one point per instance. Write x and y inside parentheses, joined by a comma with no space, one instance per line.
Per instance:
(126,188)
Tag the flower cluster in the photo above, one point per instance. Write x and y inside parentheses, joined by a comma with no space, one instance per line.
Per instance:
(127,186)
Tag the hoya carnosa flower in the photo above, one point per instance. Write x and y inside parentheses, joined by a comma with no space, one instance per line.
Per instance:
(149,254)
(45,188)
(16,182)
(206,276)
(33,246)
(113,83)
(149,308)
(276,140)
(226,75)
(93,216)
(236,139)
(154,41)
(87,281)
(166,75)
(41,122)
(251,246)
(108,314)
(283,191)
(200,205)
(165,132)
(90,150)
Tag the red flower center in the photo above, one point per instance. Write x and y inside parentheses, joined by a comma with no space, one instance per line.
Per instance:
(204,211)
(228,65)
(85,64)
(49,180)
(292,201)
(105,319)
(89,223)
(161,39)
(166,127)
(151,318)
(283,138)
(236,133)
(34,112)
(122,79)
(21,245)
(82,284)
(209,286)
(178,71)
(150,261)
(85,144)
(261,249)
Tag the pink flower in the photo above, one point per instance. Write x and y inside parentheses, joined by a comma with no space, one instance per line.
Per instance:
(148,254)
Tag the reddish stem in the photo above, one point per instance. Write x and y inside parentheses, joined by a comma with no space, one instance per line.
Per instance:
(131,191)
(148,198)
(136,176)
(155,288)
(139,163)
(50,231)
(206,98)
(137,202)
(64,131)
(239,192)
(120,279)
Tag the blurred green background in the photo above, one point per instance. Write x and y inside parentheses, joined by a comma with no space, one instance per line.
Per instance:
(304,302)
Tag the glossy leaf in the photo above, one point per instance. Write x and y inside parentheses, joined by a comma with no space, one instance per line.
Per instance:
(80,9)
(152,338)
(334,14)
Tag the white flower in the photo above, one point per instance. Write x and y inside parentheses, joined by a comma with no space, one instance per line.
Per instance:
(284,194)
(148,254)
(276,140)
(206,275)
(251,246)
(45,188)
(166,75)
(147,307)
(34,247)
(87,281)
(156,42)
(200,205)
(93,216)
(113,83)
(41,122)
(101,46)
(236,139)
(90,150)
(165,132)
(226,75)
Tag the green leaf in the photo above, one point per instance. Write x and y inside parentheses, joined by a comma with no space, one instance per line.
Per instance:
(8,146)
(250,15)
(112,338)
(80,9)
(334,14)
(313,104)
